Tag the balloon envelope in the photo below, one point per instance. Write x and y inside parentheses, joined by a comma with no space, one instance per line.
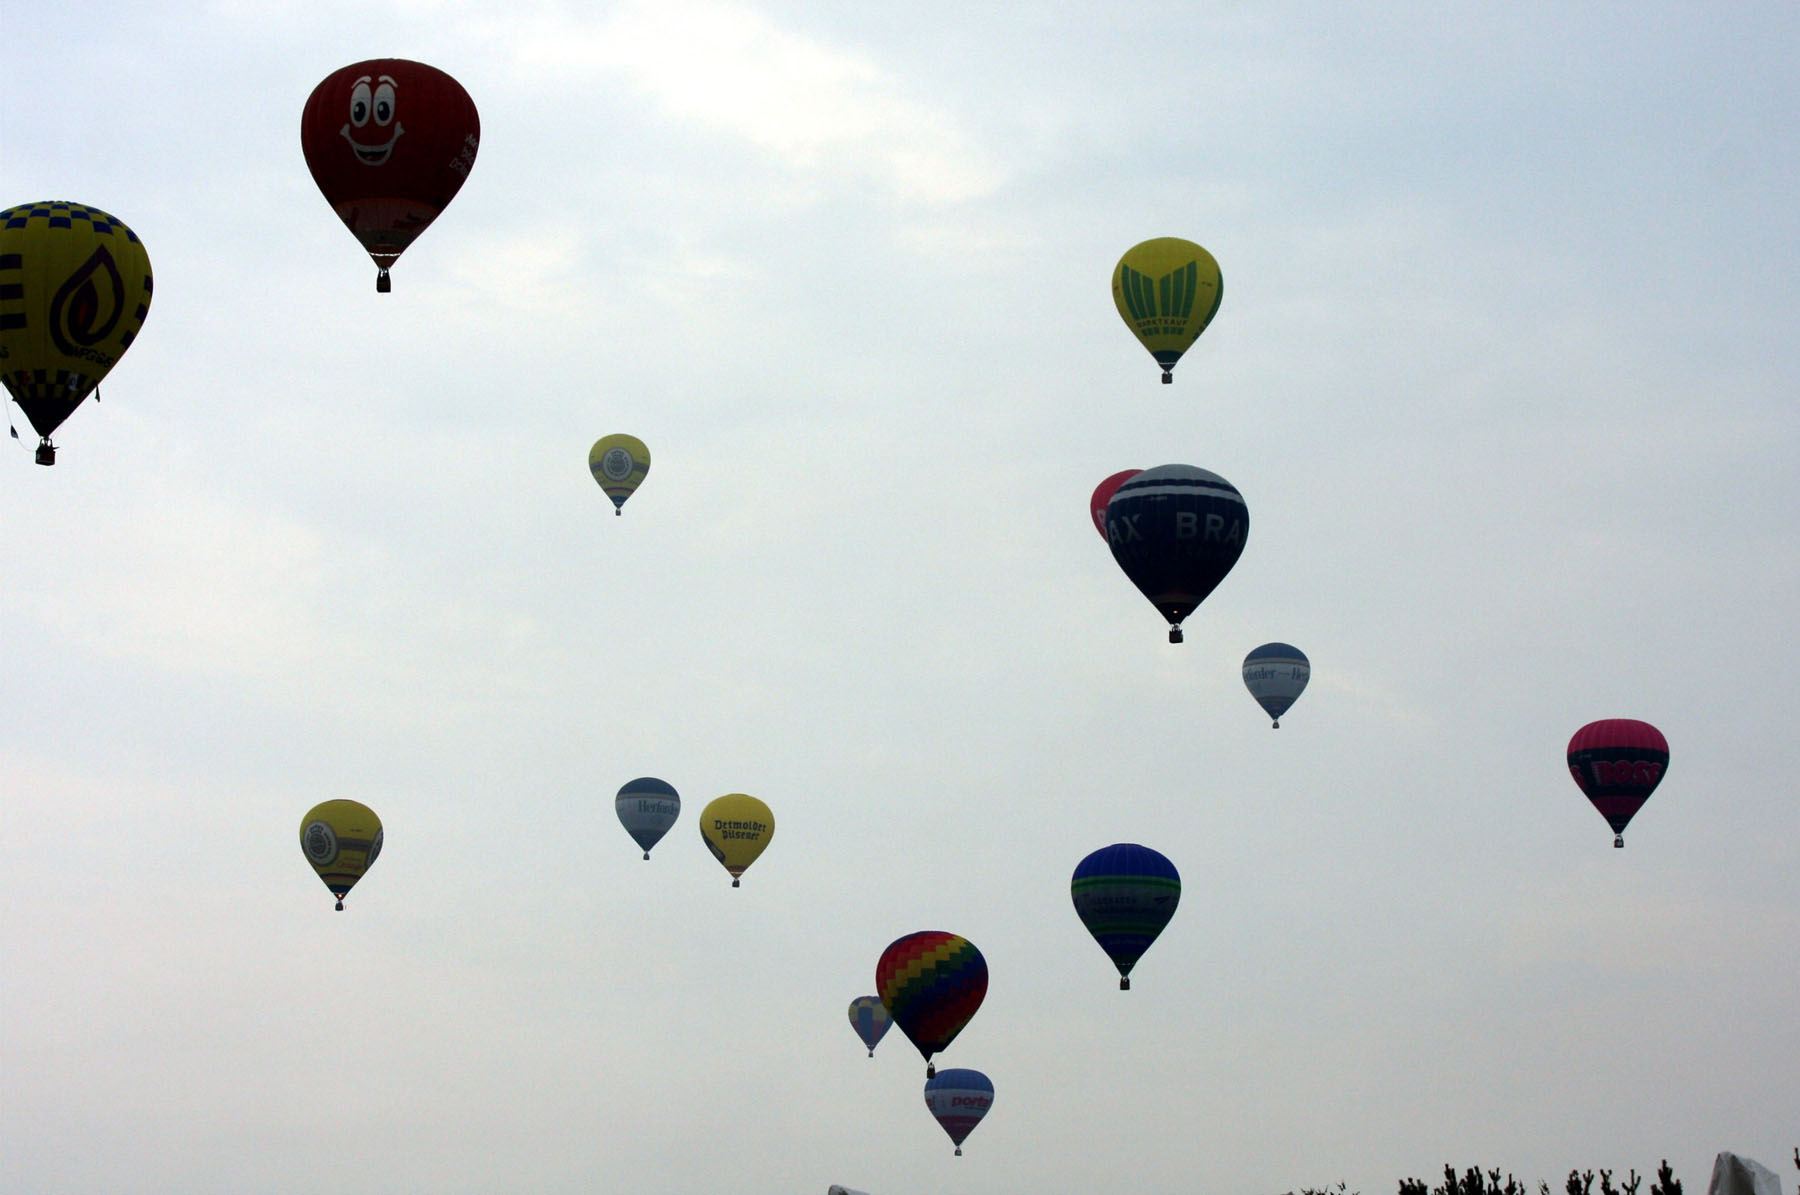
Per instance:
(1103,494)
(619,464)
(74,290)
(932,982)
(1167,290)
(341,839)
(647,807)
(1125,895)
(869,1017)
(1176,530)
(959,1098)
(1618,762)
(389,142)
(1276,675)
(736,827)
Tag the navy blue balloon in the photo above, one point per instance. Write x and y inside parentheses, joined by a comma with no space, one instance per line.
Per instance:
(1125,895)
(1176,530)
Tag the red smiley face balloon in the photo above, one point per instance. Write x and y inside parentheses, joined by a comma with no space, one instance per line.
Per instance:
(389,142)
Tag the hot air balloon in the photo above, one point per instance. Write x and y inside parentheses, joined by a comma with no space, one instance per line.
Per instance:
(1618,762)
(1276,675)
(389,142)
(647,807)
(74,290)
(869,1017)
(1125,895)
(932,983)
(619,464)
(959,1098)
(736,828)
(341,840)
(1103,494)
(1167,290)
(1176,531)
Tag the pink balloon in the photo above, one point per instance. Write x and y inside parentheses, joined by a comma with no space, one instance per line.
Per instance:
(1103,494)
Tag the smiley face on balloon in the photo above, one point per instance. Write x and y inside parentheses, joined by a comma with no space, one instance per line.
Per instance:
(373,101)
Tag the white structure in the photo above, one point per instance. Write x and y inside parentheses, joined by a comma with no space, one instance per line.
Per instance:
(1733,1175)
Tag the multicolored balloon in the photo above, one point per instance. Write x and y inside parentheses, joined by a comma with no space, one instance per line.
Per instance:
(959,1098)
(1176,531)
(1276,675)
(869,1017)
(1167,290)
(619,464)
(1618,762)
(647,807)
(1125,895)
(74,290)
(736,827)
(341,839)
(390,142)
(932,982)
(1103,494)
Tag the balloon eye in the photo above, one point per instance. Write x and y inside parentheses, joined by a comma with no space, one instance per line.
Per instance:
(384,104)
(359,105)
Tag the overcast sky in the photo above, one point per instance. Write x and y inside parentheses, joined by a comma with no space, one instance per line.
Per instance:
(1505,371)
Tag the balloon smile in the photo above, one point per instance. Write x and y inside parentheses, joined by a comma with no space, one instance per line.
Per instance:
(372,155)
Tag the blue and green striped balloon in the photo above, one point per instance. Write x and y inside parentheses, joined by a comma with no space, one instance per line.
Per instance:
(1125,895)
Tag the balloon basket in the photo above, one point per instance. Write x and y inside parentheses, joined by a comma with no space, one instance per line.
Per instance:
(46,452)
(959,1151)
(1124,983)
(734,883)
(383,283)
(646,856)
(930,1070)
(1618,840)
(340,906)
(1168,377)
(1174,634)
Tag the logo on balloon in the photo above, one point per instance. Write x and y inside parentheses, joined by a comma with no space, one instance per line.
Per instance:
(1641,772)
(87,307)
(1168,300)
(321,844)
(616,464)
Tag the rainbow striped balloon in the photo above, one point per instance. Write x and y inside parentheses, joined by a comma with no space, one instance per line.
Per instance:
(931,982)
(1125,895)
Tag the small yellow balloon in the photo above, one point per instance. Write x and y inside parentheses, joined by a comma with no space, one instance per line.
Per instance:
(74,290)
(1167,290)
(341,840)
(619,463)
(736,828)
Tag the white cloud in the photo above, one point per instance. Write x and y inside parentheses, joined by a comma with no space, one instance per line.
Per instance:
(822,110)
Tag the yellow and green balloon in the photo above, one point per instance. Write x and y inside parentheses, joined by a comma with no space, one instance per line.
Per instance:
(1167,290)
(619,463)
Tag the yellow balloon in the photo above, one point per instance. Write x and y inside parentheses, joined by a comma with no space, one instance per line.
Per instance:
(74,290)
(341,840)
(736,828)
(619,464)
(1167,290)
